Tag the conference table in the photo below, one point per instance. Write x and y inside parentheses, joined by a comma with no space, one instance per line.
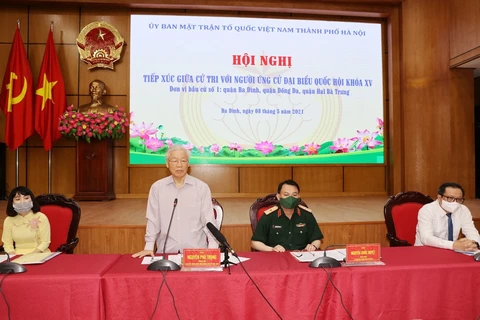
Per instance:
(415,283)
(65,287)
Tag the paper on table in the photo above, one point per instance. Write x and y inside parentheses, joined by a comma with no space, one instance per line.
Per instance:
(232,259)
(309,256)
(148,260)
(468,253)
(177,258)
(5,258)
(36,258)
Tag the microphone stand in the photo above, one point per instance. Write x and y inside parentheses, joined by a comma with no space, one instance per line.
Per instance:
(226,258)
(11,267)
(165,264)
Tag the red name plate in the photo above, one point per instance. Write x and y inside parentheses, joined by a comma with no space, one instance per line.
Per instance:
(363,252)
(195,258)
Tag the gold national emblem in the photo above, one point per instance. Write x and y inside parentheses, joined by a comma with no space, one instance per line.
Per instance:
(99,45)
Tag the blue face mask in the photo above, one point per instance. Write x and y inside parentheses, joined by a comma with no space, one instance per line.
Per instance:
(23,207)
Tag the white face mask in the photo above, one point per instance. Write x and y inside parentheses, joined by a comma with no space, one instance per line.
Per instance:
(450,206)
(23,207)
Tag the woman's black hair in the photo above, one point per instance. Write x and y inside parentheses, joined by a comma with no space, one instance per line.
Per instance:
(24,191)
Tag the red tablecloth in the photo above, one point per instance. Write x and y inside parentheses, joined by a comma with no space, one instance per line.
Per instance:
(292,288)
(416,283)
(66,287)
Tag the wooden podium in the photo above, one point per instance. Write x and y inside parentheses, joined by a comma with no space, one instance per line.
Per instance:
(94,172)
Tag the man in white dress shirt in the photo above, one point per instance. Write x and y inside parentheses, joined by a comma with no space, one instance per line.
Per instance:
(439,222)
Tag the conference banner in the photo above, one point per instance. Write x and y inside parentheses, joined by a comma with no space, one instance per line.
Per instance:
(256,91)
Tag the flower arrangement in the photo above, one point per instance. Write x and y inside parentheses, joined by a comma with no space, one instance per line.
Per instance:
(75,125)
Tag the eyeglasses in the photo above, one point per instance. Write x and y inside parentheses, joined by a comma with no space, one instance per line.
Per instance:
(452,199)
(182,161)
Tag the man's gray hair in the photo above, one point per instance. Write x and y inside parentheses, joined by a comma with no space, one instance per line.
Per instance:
(176,147)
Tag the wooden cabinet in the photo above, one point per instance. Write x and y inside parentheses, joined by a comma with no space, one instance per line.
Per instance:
(94,170)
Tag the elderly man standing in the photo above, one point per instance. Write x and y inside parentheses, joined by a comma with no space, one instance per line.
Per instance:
(439,222)
(193,209)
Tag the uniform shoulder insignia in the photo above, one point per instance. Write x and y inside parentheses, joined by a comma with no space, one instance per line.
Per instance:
(305,208)
(268,211)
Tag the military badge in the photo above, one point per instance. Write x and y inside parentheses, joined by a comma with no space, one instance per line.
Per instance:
(99,45)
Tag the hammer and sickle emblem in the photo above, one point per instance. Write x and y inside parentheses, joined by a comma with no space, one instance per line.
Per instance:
(19,98)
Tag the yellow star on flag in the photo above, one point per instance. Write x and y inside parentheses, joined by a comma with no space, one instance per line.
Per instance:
(46,91)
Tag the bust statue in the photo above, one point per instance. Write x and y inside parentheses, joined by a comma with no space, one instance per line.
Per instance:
(97,91)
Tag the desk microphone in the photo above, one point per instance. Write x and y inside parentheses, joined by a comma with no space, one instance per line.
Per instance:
(220,238)
(165,264)
(11,267)
(325,261)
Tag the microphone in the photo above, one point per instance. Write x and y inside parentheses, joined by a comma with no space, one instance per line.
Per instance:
(325,261)
(165,264)
(11,267)
(220,238)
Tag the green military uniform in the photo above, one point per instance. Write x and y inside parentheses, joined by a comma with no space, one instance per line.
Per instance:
(274,228)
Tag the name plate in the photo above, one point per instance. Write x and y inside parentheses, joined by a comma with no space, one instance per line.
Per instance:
(201,258)
(369,252)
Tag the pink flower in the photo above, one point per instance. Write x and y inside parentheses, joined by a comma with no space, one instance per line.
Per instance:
(311,148)
(154,144)
(143,131)
(294,148)
(235,147)
(341,145)
(189,146)
(366,138)
(169,142)
(265,147)
(201,149)
(380,126)
(34,223)
(215,148)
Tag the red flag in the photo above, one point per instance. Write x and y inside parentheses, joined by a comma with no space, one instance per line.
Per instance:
(50,98)
(16,95)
